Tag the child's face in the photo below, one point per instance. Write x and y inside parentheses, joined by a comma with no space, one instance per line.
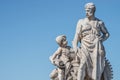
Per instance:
(64,42)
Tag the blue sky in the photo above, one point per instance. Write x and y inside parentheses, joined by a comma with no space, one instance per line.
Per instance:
(28,29)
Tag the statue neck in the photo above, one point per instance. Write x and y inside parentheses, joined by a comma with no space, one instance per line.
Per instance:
(91,18)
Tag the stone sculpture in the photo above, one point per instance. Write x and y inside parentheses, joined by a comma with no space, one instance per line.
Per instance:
(63,58)
(88,61)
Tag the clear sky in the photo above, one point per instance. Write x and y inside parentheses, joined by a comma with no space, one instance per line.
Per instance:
(28,29)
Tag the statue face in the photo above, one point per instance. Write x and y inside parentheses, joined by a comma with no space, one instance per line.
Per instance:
(64,42)
(89,12)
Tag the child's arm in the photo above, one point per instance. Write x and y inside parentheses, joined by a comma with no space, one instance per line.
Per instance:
(55,54)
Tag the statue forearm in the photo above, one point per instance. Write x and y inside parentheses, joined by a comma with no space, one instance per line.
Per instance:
(105,36)
(75,43)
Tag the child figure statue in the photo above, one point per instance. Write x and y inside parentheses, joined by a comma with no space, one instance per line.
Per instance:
(61,58)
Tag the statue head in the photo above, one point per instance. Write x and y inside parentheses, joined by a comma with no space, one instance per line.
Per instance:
(61,40)
(90,9)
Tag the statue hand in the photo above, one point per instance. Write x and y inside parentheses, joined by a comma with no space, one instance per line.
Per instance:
(101,39)
(52,61)
(75,50)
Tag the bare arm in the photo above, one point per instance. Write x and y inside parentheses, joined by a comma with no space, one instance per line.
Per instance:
(104,32)
(77,36)
(55,54)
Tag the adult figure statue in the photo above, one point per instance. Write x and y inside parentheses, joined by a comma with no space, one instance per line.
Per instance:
(90,32)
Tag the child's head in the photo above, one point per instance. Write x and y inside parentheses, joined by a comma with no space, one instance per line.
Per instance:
(61,40)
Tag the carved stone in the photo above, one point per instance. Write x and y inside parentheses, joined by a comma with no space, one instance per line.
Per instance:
(88,61)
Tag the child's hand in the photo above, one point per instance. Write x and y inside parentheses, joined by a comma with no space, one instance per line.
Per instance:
(52,61)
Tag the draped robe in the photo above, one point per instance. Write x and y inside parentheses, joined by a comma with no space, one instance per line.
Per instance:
(91,51)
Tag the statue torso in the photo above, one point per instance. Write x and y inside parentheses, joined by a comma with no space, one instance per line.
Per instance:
(90,30)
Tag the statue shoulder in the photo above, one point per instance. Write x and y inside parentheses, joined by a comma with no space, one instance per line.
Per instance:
(80,23)
(100,22)
(59,50)
(80,20)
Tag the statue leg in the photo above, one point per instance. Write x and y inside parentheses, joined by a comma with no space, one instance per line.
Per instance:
(61,74)
(54,74)
(81,71)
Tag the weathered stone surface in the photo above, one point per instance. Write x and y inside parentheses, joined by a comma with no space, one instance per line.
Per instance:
(86,62)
